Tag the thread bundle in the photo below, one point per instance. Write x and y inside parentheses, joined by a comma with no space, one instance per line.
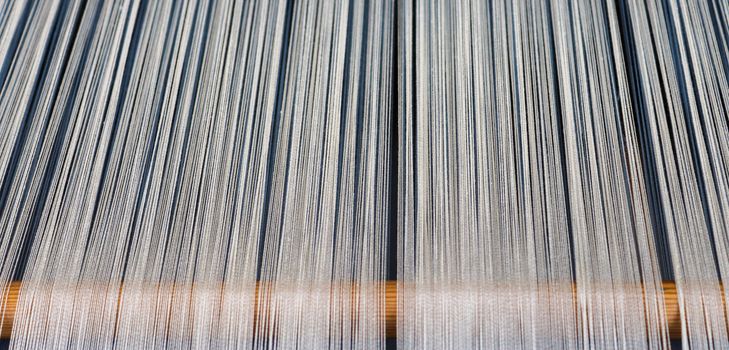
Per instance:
(246,174)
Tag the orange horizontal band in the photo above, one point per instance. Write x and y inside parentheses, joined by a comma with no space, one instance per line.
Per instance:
(11,294)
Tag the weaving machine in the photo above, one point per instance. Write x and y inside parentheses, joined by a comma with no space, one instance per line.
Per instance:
(364,174)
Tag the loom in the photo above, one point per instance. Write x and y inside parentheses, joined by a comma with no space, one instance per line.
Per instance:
(364,174)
